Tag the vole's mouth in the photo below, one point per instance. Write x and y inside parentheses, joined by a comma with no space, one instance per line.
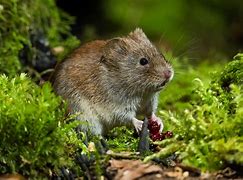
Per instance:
(161,85)
(164,82)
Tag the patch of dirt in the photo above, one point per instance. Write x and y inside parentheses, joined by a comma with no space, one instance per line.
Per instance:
(132,169)
(124,169)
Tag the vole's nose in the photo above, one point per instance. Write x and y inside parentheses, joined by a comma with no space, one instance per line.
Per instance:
(167,73)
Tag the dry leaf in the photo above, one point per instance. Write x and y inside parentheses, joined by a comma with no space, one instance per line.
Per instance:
(133,169)
(11,177)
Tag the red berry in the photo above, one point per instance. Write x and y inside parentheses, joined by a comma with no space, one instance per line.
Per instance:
(151,123)
(162,137)
(169,134)
(153,127)
(155,137)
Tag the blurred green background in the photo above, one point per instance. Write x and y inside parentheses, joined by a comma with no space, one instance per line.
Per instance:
(197,29)
(34,35)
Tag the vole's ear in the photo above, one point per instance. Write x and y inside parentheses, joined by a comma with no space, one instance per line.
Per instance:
(114,47)
(138,35)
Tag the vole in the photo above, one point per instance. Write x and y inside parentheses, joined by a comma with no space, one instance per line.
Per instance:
(108,83)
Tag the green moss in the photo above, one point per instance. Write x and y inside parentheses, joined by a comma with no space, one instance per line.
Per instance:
(208,133)
(19,18)
(232,73)
(36,141)
(122,139)
(179,92)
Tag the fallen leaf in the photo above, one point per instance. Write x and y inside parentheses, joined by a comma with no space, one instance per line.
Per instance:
(133,169)
(11,177)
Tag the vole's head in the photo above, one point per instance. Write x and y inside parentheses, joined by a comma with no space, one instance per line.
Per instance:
(136,63)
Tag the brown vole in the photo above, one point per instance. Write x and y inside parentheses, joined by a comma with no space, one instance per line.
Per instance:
(109,83)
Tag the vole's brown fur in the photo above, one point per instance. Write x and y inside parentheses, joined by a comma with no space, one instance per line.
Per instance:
(106,84)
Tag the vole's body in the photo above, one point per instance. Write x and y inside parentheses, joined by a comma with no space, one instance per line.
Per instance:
(106,84)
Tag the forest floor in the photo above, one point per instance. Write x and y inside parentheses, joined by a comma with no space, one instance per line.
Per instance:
(136,169)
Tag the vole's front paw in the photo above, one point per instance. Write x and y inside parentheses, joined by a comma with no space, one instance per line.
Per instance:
(138,124)
(158,120)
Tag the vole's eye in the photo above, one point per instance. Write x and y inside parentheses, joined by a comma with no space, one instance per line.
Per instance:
(143,61)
